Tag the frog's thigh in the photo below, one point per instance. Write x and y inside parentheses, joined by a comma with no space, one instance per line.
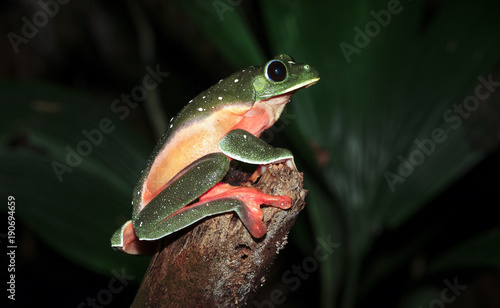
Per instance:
(243,146)
(198,211)
(189,184)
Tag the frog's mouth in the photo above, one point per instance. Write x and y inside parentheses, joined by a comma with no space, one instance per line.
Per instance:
(302,85)
(305,84)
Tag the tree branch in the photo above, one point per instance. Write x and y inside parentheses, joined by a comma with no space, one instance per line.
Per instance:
(217,263)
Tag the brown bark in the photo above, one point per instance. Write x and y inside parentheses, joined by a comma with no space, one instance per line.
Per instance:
(217,263)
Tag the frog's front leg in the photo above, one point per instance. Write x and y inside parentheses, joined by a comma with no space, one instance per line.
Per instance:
(243,146)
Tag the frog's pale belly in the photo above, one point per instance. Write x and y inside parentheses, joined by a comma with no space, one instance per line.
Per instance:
(183,148)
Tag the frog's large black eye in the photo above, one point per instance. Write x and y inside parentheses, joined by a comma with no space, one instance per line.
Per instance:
(276,71)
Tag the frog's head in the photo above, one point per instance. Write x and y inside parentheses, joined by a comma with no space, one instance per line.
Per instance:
(275,82)
(282,75)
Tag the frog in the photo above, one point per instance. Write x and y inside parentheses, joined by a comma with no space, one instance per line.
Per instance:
(182,182)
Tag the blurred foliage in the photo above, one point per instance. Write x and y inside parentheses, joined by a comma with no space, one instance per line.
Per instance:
(71,179)
(355,134)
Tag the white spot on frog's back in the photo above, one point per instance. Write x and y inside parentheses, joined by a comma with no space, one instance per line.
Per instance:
(200,109)
(220,98)
(236,80)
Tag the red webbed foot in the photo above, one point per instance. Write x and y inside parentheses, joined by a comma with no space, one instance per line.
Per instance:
(251,199)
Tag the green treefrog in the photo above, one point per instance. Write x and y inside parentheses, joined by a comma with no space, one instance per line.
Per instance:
(181,183)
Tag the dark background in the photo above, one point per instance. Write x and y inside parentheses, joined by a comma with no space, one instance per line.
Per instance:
(397,247)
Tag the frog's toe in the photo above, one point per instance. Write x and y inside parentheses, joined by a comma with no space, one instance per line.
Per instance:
(125,239)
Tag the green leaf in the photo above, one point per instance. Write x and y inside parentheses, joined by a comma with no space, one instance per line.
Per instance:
(225,27)
(327,226)
(422,297)
(479,251)
(50,131)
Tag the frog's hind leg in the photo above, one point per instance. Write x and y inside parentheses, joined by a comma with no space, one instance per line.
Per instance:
(157,219)
(223,198)
(150,223)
